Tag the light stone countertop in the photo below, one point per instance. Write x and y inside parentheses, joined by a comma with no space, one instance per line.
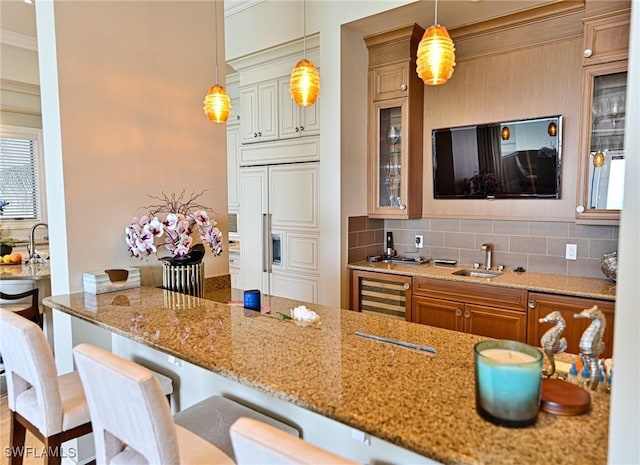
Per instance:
(25,271)
(417,401)
(540,282)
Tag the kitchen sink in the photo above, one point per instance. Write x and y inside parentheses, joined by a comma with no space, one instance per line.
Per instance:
(478,273)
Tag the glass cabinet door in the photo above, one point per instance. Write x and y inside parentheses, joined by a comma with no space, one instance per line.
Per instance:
(603,151)
(606,157)
(390,166)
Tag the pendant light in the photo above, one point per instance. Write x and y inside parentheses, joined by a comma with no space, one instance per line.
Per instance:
(304,85)
(216,103)
(505,133)
(552,129)
(436,55)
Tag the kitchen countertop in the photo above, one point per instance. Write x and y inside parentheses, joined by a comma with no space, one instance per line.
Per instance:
(540,282)
(25,271)
(420,402)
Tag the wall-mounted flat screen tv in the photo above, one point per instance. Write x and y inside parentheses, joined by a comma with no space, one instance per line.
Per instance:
(512,159)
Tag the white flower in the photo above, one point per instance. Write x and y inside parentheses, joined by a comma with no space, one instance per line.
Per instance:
(302,313)
(184,215)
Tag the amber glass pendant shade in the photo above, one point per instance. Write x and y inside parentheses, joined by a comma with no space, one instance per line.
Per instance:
(552,129)
(304,86)
(505,133)
(217,104)
(598,159)
(436,56)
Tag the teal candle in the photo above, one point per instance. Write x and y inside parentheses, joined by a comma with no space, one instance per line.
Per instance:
(508,380)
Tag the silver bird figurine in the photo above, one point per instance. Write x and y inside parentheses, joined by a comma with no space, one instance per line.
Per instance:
(551,341)
(591,345)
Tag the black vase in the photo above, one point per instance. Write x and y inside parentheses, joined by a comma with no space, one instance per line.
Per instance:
(194,257)
(5,249)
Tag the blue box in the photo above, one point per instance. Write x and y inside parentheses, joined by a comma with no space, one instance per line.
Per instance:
(252,299)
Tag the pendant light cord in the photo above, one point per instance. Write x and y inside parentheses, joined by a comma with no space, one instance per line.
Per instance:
(215,15)
(304,28)
(436,18)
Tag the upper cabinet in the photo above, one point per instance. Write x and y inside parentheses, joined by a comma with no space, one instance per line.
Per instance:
(604,88)
(268,113)
(258,107)
(396,100)
(294,120)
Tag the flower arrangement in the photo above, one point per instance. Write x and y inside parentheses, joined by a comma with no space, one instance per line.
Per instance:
(184,216)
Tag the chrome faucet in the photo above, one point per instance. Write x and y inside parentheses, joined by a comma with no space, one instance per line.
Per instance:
(34,256)
(486,248)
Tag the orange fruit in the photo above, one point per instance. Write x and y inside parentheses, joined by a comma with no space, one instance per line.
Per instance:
(15,258)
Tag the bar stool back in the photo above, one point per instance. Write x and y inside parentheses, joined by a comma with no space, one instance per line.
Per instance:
(31,312)
(256,442)
(132,421)
(51,407)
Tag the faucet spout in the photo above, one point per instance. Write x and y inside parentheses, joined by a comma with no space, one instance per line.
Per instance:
(34,256)
(486,248)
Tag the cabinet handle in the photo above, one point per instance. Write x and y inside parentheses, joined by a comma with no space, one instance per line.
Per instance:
(532,304)
(587,53)
(259,134)
(301,128)
(467,314)
(255,134)
(238,117)
(580,209)
(297,129)
(403,87)
(403,207)
(458,312)
(406,286)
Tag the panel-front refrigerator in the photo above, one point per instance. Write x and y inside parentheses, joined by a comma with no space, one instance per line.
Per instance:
(280,234)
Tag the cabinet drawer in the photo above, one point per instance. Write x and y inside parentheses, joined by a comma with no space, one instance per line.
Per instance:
(471,293)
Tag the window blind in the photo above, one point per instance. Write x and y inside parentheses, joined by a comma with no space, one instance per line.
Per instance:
(19,178)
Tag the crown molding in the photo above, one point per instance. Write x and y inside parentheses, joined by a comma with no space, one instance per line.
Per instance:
(16,39)
(236,6)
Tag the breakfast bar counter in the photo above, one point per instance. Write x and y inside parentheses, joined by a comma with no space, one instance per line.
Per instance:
(420,402)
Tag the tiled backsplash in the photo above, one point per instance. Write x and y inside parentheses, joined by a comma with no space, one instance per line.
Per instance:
(535,246)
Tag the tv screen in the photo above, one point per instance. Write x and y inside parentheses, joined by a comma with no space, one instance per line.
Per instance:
(512,159)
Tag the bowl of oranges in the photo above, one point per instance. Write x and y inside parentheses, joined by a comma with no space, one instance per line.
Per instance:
(14,258)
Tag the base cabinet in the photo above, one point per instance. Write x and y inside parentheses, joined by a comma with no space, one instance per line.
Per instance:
(541,305)
(471,318)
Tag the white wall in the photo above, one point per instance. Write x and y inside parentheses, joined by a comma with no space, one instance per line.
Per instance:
(122,90)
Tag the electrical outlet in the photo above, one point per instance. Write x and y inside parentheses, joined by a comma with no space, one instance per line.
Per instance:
(419,241)
(571,252)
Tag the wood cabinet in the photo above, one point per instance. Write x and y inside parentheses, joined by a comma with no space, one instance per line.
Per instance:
(395,133)
(601,161)
(541,305)
(294,120)
(472,308)
(382,293)
(259,110)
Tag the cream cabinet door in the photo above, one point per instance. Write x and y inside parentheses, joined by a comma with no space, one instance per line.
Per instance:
(233,174)
(259,110)
(293,196)
(295,286)
(296,121)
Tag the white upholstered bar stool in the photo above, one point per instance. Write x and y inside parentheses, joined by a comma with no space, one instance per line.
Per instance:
(255,443)
(131,419)
(51,407)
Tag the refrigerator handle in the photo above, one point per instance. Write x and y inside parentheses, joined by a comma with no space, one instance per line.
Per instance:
(269,240)
(266,246)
